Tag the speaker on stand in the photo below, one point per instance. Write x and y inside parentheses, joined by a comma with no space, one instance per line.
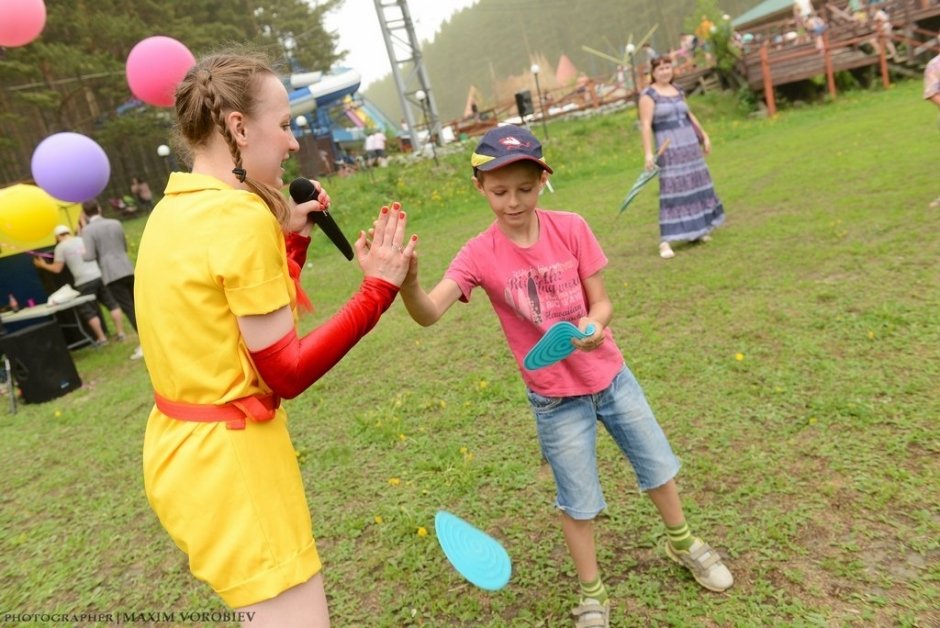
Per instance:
(40,362)
(524,105)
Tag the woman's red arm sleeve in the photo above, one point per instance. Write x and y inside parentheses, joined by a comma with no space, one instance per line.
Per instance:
(292,364)
(296,245)
(297,248)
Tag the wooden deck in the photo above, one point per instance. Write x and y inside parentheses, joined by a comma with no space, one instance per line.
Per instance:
(772,61)
(769,62)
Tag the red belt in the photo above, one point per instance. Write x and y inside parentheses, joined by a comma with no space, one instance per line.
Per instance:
(234,413)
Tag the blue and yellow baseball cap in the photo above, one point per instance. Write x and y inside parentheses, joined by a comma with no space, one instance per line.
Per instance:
(505,145)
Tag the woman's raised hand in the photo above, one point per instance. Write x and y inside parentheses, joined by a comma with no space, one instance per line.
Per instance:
(386,255)
(300,221)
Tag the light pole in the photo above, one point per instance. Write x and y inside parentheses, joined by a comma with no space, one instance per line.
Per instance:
(310,159)
(631,51)
(422,100)
(535,69)
(303,124)
(164,152)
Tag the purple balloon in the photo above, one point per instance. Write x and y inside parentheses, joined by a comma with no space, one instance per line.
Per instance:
(71,167)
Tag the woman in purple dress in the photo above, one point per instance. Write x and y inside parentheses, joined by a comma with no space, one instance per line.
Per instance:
(688,207)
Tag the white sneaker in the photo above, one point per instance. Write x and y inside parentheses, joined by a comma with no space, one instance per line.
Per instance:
(138,353)
(665,251)
(705,565)
(591,614)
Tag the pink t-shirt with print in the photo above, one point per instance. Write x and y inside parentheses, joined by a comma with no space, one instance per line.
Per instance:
(531,288)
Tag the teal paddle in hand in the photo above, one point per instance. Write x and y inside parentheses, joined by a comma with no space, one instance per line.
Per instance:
(555,345)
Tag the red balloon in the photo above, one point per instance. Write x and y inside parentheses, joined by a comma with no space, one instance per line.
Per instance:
(21,21)
(155,66)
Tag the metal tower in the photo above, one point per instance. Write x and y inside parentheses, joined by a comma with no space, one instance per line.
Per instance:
(411,77)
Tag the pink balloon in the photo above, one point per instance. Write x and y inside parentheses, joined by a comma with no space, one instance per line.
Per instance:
(155,67)
(21,21)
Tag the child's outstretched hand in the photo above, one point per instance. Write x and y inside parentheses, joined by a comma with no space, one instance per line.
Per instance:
(591,342)
(411,279)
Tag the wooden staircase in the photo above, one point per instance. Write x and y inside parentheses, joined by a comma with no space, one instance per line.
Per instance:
(699,81)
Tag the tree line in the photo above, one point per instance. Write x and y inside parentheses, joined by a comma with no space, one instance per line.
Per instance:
(493,39)
(72,77)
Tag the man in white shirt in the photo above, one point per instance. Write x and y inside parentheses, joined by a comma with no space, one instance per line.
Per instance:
(70,251)
(368,149)
(378,147)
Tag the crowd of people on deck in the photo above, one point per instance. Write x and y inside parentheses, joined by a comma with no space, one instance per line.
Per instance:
(810,25)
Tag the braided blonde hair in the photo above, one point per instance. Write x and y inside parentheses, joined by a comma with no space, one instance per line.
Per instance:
(219,84)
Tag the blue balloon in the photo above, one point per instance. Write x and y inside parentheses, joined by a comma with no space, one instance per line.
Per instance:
(70,167)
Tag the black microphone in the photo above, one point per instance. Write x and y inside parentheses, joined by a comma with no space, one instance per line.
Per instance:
(303,190)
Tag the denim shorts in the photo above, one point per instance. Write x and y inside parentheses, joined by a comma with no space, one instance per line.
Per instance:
(567,430)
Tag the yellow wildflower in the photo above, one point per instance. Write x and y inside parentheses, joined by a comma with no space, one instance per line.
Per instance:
(394,481)
(422,531)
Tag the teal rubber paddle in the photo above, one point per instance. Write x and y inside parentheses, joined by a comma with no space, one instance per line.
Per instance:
(555,345)
(475,555)
(645,177)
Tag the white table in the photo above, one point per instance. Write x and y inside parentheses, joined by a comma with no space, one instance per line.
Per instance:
(45,310)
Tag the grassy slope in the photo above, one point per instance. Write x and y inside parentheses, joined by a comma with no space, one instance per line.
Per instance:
(811,462)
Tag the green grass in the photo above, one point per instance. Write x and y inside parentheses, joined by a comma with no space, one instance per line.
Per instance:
(811,462)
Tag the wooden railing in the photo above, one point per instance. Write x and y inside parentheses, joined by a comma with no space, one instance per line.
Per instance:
(845,44)
(593,93)
(764,63)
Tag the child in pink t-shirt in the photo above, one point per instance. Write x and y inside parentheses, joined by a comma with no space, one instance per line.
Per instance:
(540,267)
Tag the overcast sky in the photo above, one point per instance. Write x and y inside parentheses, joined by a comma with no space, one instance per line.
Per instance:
(360,35)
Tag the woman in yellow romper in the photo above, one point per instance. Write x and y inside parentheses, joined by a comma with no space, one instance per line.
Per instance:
(216,309)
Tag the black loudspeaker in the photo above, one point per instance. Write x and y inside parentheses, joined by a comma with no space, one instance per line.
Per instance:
(41,363)
(524,103)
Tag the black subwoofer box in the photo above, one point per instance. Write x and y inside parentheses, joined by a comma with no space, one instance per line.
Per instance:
(41,363)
